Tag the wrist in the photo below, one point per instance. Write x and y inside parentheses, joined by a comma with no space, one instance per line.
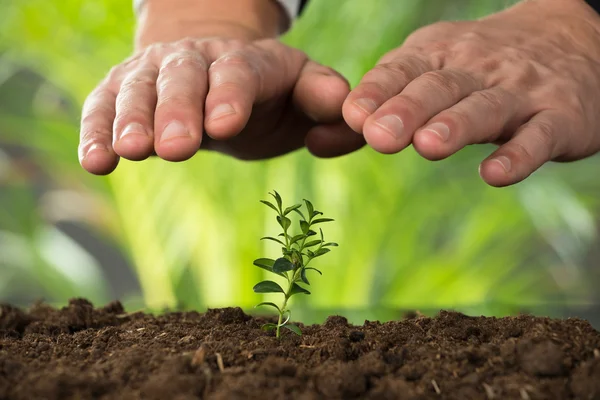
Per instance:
(171,20)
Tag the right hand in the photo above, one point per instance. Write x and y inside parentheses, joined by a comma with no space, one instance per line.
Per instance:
(248,99)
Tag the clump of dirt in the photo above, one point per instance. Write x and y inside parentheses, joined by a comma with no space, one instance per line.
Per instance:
(82,352)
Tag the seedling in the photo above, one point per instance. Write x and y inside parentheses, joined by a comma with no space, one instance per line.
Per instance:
(297,253)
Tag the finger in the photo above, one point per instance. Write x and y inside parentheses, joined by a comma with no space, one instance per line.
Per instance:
(95,150)
(181,92)
(391,128)
(379,85)
(320,92)
(541,139)
(233,82)
(333,140)
(134,121)
(241,79)
(481,117)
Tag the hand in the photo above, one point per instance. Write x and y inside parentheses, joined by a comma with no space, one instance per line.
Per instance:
(527,79)
(249,99)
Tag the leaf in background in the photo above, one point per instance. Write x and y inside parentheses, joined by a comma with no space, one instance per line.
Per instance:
(293,328)
(285,222)
(296,289)
(321,220)
(291,208)
(282,265)
(268,303)
(309,208)
(267,287)
(268,203)
(273,239)
(277,199)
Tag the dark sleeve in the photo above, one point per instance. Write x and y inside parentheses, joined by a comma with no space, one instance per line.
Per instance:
(303,4)
(595,4)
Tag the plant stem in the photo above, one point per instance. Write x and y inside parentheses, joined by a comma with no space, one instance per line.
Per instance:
(277,334)
(285,300)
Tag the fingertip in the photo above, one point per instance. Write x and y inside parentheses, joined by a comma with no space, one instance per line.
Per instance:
(386,135)
(225,121)
(177,141)
(356,114)
(498,172)
(99,160)
(430,145)
(177,149)
(134,147)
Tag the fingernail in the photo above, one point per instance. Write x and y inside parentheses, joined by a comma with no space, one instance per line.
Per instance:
(175,129)
(391,124)
(96,147)
(134,127)
(440,129)
(504,161)
(367,105)
(221,110)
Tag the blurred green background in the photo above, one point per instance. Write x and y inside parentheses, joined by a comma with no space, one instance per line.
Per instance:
(413,234)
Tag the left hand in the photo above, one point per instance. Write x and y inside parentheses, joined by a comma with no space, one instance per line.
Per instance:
(527,78)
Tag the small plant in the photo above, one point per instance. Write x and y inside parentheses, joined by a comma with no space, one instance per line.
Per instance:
(297,253)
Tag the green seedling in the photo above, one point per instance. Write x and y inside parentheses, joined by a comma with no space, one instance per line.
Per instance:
(297,253)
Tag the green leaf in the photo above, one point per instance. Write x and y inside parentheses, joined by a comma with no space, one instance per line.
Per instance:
(300,213)
(296,289)
(309,207)
(331,244)
(296,238)
(321,220)
(312,243)
(293,328)
(310,253)
(264,263)
(291,208)
(321,251)
(311,233)
(268,303)
(277,198)
(303,276)
(285,222)
(270,205)
(267,287)
(282,265)
(268,327)
(273,239)
(314,269)
(304,226)
(315,213)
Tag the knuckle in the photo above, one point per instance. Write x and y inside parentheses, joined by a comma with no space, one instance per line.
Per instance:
(545,136)
(233,58)
(492,101)
(186,44)
(441,83)
(114,74)
(98,102)
(138,82)
(458,119)
(413,104)
(522,153)
(92,135)
(183,59)
(177,102)
(95,115)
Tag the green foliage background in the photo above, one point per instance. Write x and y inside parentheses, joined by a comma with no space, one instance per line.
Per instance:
(412,233)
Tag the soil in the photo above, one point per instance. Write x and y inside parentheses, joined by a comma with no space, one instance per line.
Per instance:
(82,352)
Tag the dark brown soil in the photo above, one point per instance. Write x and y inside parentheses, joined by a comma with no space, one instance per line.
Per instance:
(80,352)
